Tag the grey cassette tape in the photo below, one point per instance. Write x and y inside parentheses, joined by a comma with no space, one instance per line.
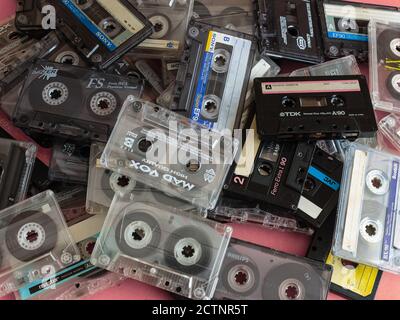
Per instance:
(162,246)
(251,272)
(35,243)
(170,20)
(170,153)
(368,223)
(213,76)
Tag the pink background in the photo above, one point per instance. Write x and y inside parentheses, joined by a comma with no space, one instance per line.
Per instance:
(288,242)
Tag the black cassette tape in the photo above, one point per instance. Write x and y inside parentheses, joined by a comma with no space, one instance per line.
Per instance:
(314,108)
(289,29)
(70,162)
(70,101)
(213,76)
(251,272)
(274,174)
(102,30)
(349,279)
(321,190)
(344,26)
(29,18)
(16,162)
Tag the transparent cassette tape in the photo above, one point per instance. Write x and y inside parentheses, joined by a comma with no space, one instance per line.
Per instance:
(384,54)
(170,20)
(241,21)
(259,217)
(390,128)
(207,8)
(16,163)
(162,246)
(35,243)
(251,272)
(170,153)
(368,223)
(338,67)
(72,201)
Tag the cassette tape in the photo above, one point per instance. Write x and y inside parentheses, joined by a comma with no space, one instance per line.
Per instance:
(349,279)
(344,26)
(321,189)
(213,76)
(251,272)
(170,153)
(16,163)
(101,30)
(339,67)
(208,8)
(390,128)
(35,242)
(242,22)
(29,18)
(225,213)
(170,20)
(70,162)
(385,65)
(314,108)
(72,102)
(72,200)
(272,173)
(162,246)
(82,278)
(283,31)
(367,225)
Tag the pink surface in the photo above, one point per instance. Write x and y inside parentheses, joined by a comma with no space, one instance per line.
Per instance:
(291,243)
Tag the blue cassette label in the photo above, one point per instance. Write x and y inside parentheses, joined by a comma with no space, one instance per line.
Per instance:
(325,179)
(347,36)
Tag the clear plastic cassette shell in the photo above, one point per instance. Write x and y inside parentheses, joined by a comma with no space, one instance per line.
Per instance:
(16,164)
(170,20)
(209,8)
(338,67)
(72,102)
(260,217)
(368,223)
(70,162)
(390,128)
(384,51)
(168,152)
(242,22)
(162,246)
(212,80)
(72,201)
(35,242)
(251,272)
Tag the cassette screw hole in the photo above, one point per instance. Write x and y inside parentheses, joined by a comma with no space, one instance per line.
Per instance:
(123,181)
(145,145)
(241,278)
(292,292)
(188,251)
(193,166)
(265,170)
(167,283)
(178,289)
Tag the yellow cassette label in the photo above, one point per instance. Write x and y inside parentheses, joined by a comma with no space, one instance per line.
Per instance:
(358,278)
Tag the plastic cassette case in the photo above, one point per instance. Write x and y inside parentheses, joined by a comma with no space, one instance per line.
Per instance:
(102,30)
(390,128)
(71,101)
(35,243)
(385,65)
(344,26)
(170,20)
(289,29)
(29,18)
(162,246)
(82,278)
(170,153)
(251,272)
(368,221)
(212,80)
(16,163)
(211,8)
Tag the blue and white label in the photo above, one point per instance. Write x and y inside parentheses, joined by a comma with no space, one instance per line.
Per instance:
(322,177)
(347,36)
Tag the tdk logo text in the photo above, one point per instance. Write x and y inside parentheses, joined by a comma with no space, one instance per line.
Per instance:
(290,114)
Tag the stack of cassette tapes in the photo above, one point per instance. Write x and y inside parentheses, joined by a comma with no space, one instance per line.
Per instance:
(137,135)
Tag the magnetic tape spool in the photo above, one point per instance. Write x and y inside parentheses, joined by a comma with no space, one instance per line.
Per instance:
(162,26)
(393,84)
(389,44)
(30,235)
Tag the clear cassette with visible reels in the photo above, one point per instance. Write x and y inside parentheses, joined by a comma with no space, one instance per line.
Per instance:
(170,153)
(384,50)
(390,128)
(368,222)
(162,246)
(36,243)
(252,272)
